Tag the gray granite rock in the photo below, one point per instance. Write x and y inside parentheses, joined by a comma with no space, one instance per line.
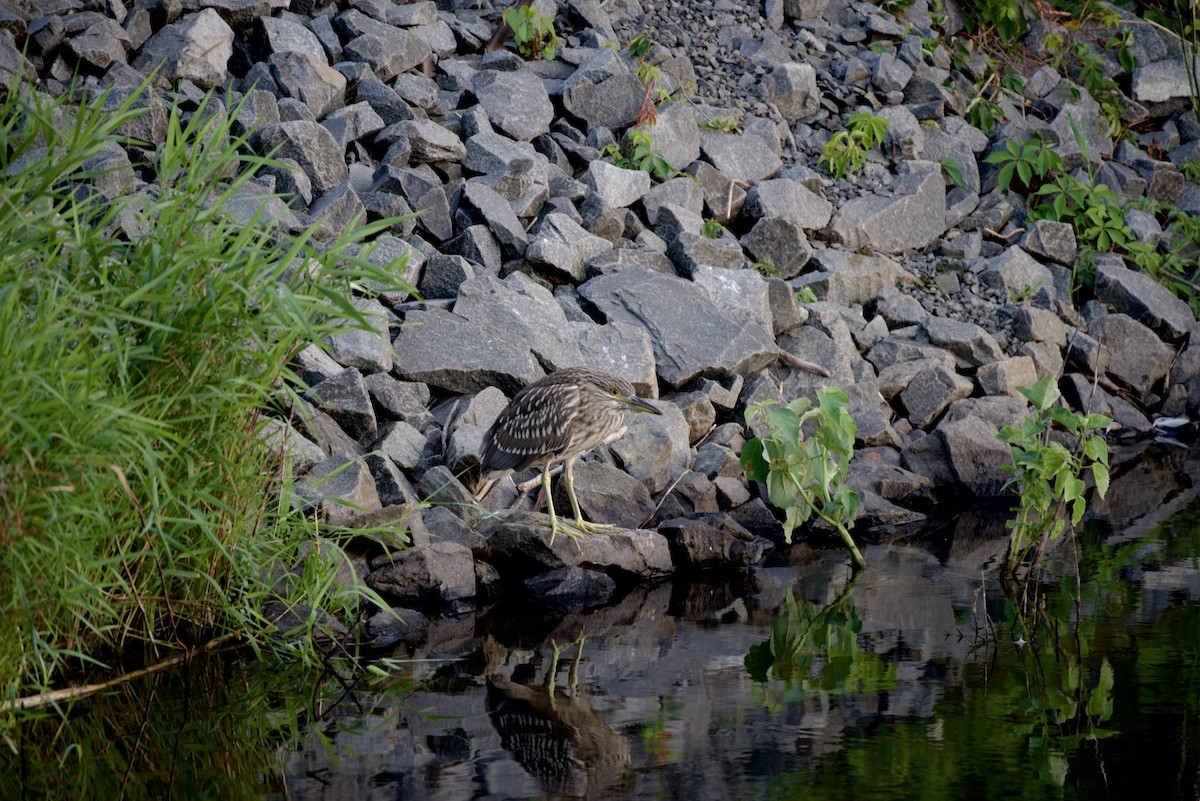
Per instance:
(344,397)
(196,48)
(1132,354)
(742,157)
(1138,295)
(516,102)
(846,278)
(912,217)
(793,89)
(342,487)
(690,335)
(930,392)
(971,345)
(559,246)
(447,351)
(436,573)
(312,147)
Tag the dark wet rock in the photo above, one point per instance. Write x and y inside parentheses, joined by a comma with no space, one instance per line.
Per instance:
(196,48)
(526,550)
(440,573)
(713,541)
(690,335)
(397,624)
(571,588)
(1082,394)
(443,525)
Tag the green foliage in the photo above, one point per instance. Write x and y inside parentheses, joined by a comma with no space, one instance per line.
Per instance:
(806,295)
(639,153)
(984,112)
(1094,211)
(724,124)
(846,150)
(711,229)
(1049,475)
(1004,18)
(140,339)
(766,268)
(815,649)
(533,32)
(952,170)
(1190,168)
(1030,162)
(806,475)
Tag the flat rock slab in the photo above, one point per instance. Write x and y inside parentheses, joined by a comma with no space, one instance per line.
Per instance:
(910,218)
(1141,297)
(692,337)
(450,352)
(515,102)
(525,547)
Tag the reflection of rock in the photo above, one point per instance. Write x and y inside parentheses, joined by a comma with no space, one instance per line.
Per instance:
(552,732)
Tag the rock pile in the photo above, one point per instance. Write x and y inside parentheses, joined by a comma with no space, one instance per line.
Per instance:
(530,252)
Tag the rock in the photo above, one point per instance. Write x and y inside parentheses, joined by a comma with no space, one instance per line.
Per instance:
(911,218)
(446,351)
(691,252)
(1050,239)
(971,345)
(298,453)
(793,90)
(431,142)
(1003,377)
(791,200)
(1131,354)
(930,392)
(310,80)
(713,541)
(1031,324)
(606,494)
(394,625)
(570,588)
(311,146)
(965,453)
(845,278)
(516,102)
(440,486)
(388,51)
(344,398)
(1139,296)
(369,351)
(402,443)
(690,335)
(741,157)
(779,243)
(197,48)
(525,549)
(342,487)
(1016,273)
(490,208)
(676,135)
(612,103)
(353,123)
(439,573)
(615,186)
(560,246)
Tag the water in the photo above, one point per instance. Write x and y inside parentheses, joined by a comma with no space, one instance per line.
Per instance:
(925,678)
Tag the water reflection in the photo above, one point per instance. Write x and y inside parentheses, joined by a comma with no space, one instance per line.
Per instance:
(924,678)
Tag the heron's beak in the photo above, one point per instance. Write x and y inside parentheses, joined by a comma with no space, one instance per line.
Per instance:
(638,405)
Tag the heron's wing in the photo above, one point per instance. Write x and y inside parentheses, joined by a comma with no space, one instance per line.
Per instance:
(536,427)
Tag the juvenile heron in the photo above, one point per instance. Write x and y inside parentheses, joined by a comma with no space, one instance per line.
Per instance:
(558,419)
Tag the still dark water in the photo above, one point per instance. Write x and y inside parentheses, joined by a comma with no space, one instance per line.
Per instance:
(925,678)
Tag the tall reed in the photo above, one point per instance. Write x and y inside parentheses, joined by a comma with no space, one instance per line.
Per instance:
(147,318)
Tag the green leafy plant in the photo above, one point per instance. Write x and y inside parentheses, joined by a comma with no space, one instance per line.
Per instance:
(1030,162)
(1003,18)
(984,112)
(846,150)
(766,267)
(952,171)
(723,124)
(639,153)
(806,295)
(1190,168)
(805,475)
(533,32)
(712,229)
(1049,475)
(1094,211)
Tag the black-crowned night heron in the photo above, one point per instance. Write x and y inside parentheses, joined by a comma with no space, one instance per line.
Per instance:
(558,419)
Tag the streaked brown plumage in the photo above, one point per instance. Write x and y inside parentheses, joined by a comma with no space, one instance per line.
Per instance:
(557,419)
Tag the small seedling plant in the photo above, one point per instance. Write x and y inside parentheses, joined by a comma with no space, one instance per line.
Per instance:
(806,475)
(846,150)
(1030,162)
(1048,475)
(533,32)
(639,153)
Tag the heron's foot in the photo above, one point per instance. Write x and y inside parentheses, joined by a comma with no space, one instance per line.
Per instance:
(577,529)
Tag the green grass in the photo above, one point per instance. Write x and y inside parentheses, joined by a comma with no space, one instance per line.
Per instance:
(139,511)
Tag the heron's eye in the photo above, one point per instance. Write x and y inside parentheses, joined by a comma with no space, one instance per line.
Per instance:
(615,392)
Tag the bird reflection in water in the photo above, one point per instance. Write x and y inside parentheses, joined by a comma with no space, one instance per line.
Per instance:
(551,731)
